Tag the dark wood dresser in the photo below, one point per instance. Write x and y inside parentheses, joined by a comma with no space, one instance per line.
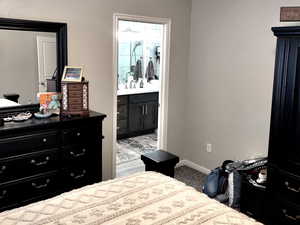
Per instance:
(253,199)
(283,184)
(42,158)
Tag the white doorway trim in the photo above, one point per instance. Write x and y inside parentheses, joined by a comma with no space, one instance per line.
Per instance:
(46,52)
(164,89)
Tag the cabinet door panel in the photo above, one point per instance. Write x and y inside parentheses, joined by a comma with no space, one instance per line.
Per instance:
(122,113)
(292,156)
(136,117)
(151,114)
(122,127)
(285,125)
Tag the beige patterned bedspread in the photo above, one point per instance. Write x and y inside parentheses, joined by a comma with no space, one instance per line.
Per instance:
(140,199)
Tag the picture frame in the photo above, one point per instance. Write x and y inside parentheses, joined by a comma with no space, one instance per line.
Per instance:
(72,74)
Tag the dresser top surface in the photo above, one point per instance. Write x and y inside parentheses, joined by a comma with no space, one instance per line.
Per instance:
(34,122)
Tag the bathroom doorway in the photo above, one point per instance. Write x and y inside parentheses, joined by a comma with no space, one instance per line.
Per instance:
(141,58)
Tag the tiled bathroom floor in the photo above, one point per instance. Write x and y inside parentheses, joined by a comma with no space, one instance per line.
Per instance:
(129,153)
(132,148)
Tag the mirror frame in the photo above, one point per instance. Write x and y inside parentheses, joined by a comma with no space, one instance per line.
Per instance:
(61,48)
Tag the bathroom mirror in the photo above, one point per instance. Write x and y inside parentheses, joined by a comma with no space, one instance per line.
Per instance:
(33,55)
(138,44)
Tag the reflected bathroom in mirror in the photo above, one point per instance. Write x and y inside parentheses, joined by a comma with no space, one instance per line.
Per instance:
(28,63)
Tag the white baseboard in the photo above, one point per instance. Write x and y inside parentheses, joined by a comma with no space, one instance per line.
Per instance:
(194,166)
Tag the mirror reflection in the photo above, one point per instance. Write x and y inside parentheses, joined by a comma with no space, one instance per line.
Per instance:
(28,66)
(139,46)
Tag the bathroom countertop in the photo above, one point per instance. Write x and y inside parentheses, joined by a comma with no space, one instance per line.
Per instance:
(134,91)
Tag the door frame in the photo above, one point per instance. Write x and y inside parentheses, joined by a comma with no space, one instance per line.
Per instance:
(40,39)
(164,84)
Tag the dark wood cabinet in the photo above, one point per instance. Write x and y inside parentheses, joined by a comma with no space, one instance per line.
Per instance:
(253,199)
(137,114)
(122,115)
(151,115)
(136,117)
(43,158)
(283,183)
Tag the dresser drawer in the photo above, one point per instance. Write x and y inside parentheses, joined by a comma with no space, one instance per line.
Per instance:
(252,202)
(9,194)
(81,135)
(28,143)
(285,183)
(76,176)
(29,164)
(41,185)
(75,153)
(75,101)
(74,88)
(285,212)
(15,192)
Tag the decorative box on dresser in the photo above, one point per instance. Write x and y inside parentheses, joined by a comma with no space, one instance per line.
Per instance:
(283,183)
(75,98)
(42,158)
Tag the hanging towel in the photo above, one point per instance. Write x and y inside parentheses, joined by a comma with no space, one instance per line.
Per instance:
(138,70)
(150,71)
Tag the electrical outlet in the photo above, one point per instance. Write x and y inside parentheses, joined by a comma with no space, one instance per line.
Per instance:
(208,148)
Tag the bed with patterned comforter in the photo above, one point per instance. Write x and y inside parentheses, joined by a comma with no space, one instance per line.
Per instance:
(139,199)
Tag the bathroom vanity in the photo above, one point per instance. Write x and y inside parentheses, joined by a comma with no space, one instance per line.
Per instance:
(137,113)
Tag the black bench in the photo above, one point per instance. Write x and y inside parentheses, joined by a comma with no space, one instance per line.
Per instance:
(160,161)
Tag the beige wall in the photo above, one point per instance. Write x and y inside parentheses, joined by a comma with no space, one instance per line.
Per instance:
(19,64)
(230,79)
(224,100)
(90,29)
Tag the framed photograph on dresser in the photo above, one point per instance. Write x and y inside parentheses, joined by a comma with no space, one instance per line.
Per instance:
(72,74)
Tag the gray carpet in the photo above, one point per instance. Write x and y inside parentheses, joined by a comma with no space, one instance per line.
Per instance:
(190,177)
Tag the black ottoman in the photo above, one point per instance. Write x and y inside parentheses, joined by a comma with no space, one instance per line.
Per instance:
(160,161)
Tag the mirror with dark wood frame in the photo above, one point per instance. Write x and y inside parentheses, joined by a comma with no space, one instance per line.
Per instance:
(33,55)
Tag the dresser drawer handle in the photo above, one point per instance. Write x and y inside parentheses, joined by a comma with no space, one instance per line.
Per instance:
(3,168)
(291,188)
(3,194)
(294,218)
(82,153)
(249,213)
(41,185)
(47,159)
(79,175)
